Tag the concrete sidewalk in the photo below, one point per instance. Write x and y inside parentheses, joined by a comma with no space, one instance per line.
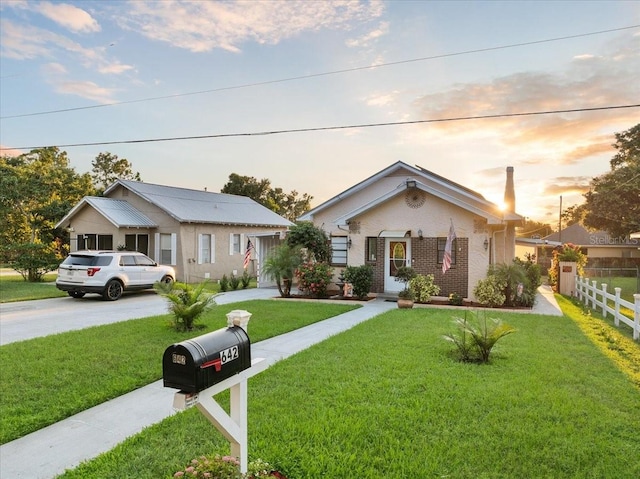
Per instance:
(49,451)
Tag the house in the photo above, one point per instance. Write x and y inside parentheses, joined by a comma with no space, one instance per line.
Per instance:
(602,249)
(402,216)
(201,234)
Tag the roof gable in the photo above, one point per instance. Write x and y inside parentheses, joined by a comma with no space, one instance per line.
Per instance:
(118,212)
(580,236)
(194,206)
(426,181)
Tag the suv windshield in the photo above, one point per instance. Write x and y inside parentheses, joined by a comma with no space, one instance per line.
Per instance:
(82,260)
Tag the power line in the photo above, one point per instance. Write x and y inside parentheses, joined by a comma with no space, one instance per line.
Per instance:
(316,75)
(327,128)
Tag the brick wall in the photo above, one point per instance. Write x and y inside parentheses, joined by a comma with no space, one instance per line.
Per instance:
(425,255)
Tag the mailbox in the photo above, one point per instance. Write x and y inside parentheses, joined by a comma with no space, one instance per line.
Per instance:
(196,364)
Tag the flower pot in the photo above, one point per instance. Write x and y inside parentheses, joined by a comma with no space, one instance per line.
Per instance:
(405,303)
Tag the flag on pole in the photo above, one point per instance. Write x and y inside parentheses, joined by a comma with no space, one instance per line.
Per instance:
(446,259)
(247,254)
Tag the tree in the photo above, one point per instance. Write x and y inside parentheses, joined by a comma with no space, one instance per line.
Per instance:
(281,265)
(612,203)
(36,190)
(534,228)
(107,168)
(289,205)
(573,214)
(306,235)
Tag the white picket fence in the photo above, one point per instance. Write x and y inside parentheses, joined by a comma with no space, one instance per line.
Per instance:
(589,293)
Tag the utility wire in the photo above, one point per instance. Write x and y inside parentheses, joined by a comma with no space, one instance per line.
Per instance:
(316,75)
(328,128)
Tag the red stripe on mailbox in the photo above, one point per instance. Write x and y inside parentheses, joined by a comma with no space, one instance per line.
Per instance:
(216,362)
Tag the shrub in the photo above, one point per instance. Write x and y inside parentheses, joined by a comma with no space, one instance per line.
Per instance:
(455,299)
(224,283)
(32,260)
(510,275)
(566,252)
(314,278)
(474,339)
(245,280)
(361,277)
(490,291)
(185,302)
(234,282)
(423,287)
(306,235)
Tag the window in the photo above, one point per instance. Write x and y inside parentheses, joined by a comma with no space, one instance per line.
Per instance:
(105,241)
(138,243)
(165,249)
(235,244)
(127,260)
(339,250)
(206,248)
(372,247)
(442,243)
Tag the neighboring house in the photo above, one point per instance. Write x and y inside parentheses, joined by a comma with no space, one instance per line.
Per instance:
(402,215)
(201,234)
(602,249)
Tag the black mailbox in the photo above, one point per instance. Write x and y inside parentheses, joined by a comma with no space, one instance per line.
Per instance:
(196,364)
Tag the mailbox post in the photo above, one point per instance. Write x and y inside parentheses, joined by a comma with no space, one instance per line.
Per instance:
(209,364)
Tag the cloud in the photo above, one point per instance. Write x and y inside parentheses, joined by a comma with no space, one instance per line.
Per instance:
(68,16)
(567,185)
(85,89)
(366,39)
(204,26)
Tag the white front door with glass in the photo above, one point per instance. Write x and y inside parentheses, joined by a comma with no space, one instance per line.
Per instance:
(397,254)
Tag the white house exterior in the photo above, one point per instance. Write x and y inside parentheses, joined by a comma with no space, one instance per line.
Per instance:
(402,216)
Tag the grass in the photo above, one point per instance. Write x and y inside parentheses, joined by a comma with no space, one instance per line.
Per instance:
(45,380)
(14,288)
(387,399)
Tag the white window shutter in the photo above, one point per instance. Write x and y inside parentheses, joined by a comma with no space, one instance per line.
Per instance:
(174,248)
(200,240)
(213,248)
(231,244)
(156,247)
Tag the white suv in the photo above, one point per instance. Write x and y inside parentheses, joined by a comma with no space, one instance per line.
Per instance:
(109,273)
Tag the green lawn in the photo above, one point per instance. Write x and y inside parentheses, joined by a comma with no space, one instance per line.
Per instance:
(387,400)
(14,288)
(47,379)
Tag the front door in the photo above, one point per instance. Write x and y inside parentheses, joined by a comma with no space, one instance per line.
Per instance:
(397,254)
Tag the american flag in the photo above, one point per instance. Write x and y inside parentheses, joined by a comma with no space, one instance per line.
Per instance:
(446,259)
(247,254)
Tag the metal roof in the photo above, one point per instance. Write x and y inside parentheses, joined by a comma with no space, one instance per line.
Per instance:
(120,213)
(194,206)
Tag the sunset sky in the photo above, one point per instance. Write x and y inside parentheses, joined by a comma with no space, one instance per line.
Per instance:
(91,72)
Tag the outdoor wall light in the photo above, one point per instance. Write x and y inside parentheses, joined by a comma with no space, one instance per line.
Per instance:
(420,234)
(486,244)
(349,243)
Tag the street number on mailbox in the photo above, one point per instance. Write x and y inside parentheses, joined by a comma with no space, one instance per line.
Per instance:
(229,354)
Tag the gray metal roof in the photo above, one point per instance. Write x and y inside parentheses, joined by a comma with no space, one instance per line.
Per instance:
(118,212)
(194,206)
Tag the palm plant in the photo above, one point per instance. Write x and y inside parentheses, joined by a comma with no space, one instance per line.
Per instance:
(186,302)
(474,340)
(281,265)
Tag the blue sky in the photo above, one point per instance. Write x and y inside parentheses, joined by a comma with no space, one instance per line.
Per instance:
(69,55)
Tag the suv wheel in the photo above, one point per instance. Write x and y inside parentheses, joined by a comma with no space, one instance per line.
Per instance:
(167,279)
(113,290)
(76,294)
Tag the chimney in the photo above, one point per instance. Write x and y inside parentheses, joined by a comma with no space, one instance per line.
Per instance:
(510,192)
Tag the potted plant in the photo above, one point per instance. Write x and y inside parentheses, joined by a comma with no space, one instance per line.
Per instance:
(404,274)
